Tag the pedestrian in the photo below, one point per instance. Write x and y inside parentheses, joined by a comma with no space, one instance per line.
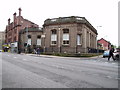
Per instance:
(34,51)
(38,51)
(111,53)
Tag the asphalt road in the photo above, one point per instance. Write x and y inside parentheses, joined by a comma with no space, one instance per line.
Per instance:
(31,71)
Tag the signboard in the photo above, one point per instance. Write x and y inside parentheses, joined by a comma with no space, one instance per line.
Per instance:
(43,36)
(15,44)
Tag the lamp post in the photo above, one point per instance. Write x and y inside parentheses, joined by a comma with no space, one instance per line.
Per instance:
(26,39)
(96,42)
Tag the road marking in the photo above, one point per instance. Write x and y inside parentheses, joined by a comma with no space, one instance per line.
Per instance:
(113,63)
(15,57)
(108,76)
(25,59)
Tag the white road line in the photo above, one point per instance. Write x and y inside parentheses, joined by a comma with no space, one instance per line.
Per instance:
(108,76)
(25,59)
(15,57)
(113,63)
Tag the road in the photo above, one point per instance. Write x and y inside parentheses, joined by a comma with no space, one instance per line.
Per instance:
(30,71)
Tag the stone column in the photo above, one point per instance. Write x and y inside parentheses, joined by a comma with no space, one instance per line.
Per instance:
(85,40)
(89,39)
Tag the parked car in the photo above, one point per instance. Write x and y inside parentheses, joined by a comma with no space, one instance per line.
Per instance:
(117,54)
(106,54)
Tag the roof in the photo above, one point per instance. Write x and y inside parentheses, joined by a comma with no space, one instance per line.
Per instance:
(27,20)
(104,40)
(31,29)
(71,19)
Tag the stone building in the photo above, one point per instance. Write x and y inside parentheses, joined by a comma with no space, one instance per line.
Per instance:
(30,39)
(13,29)
(69,35)
(2,39)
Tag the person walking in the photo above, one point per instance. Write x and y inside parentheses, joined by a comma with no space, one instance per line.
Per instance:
(34,51)
(38,51)
(111,53)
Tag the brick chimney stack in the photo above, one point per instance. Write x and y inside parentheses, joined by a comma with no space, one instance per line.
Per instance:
(9,21)
(20,11)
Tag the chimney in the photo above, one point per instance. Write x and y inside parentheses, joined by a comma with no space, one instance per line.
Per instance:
(9,21)
(14,16)
(20,11)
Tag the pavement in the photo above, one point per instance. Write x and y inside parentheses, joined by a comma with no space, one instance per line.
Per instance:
(41,55)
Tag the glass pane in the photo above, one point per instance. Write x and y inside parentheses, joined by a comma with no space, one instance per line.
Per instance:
(53,37)
(65,36)
(78,39)
(38,41)
(29,41)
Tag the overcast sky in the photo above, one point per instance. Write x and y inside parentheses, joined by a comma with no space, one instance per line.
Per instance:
(98,12)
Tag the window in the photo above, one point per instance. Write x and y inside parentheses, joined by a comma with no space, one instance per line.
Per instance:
(54,31)
(29,36)
(39,40)
(65,36)
(78,39)
(65,30)
(54,37)
(29,39)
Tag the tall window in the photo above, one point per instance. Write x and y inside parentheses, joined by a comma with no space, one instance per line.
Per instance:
(39,40)
(29,39)
(53,37)
(78,39)
(65,36)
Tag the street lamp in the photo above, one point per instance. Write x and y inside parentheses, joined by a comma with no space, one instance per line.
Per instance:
(96,42)
(26,44)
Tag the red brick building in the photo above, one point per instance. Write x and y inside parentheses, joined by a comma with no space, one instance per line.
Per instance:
(104,44)
(13,29)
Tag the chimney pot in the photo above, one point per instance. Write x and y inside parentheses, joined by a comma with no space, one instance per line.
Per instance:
(20,11)
(9,21)
(14,16)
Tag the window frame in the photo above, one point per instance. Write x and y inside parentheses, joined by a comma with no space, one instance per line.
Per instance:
(53,32)
(79,43)
(66,41)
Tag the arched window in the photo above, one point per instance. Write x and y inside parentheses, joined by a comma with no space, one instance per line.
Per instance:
(78,39)
(39,40)
(29,40)
(65,36)
(53,37)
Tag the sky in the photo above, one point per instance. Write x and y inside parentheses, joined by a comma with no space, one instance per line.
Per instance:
(102,14)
